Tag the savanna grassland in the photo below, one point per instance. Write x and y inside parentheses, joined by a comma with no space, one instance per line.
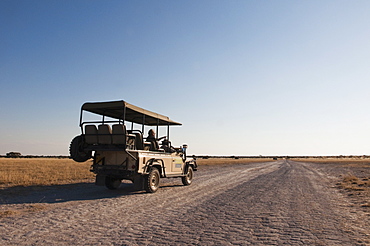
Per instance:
(42,171)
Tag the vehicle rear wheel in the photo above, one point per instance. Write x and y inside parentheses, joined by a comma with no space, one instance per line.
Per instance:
(151,181)
(112,183)
(76,150)
(188,178)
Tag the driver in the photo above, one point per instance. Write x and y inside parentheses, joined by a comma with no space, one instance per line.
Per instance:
(153,141)
(166,145)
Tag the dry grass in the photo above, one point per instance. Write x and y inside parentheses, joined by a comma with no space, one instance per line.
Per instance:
(228,161)
(357,188)
(352,183)
(26,208)
(42,171)
(7,213)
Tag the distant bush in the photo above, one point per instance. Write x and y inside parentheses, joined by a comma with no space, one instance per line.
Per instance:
(13,154)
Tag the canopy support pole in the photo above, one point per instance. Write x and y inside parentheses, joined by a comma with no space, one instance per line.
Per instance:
(168,132)
(124,114)
(142,126)
(157,136)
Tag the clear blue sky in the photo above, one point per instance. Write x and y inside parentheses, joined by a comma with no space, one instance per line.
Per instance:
(244,77)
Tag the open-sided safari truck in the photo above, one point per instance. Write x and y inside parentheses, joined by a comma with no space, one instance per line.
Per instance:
(119,153)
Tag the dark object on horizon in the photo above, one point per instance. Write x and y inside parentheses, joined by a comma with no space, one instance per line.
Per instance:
(13,154)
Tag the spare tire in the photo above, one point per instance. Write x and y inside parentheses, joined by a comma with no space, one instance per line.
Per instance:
(76,150)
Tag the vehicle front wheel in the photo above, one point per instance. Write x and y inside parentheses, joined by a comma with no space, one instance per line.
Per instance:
(112,183)
(151,181)
(188,178)
(76,150)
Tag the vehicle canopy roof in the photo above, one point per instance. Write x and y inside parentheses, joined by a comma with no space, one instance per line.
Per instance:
(122,110)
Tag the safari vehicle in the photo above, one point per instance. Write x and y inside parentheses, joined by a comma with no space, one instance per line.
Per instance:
(120,154)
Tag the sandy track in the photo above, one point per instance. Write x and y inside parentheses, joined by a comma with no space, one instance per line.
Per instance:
(273,203)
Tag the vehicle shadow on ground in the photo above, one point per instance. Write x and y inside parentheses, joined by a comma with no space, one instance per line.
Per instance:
(63,193)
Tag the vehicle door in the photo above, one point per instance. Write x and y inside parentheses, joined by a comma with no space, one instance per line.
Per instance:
(177,164)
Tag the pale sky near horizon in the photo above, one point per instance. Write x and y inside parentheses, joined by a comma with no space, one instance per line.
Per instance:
(244,77)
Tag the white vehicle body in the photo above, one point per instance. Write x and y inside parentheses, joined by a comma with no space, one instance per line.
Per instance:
(124,154)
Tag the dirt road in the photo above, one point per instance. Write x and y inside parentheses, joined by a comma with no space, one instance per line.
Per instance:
(274,203)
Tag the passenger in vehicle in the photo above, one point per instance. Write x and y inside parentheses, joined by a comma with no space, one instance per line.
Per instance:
(153,141)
